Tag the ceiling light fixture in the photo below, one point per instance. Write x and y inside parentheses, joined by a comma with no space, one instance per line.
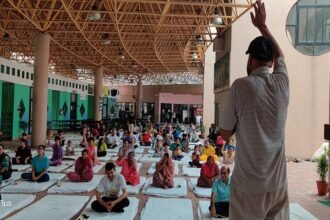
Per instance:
(194,56)
(199,40)
(95,15)
(216,19)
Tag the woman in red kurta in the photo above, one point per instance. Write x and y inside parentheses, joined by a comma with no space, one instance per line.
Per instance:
(83,169)
(209,170)
(91,151)
(129,169)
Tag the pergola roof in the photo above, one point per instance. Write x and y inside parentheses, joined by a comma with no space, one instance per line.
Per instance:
(122,36)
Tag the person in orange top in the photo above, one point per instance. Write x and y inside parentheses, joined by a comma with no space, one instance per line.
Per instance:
(91,151)
(129,169)
(209,171)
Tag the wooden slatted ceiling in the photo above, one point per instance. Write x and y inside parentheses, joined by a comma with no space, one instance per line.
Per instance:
(129,37)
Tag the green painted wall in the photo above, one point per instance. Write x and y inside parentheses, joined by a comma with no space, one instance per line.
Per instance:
(91,104)
(0,101)
(21,101)
(80,103)
(49,105)
(64,104)
(55,105)
(7,109)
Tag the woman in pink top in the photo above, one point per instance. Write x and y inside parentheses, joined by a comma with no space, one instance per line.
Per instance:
(83,169)
(129,169)
(91,151)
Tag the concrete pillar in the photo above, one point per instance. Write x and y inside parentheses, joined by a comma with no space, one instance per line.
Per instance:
(208,93)
(139,99)
(98,84)
(40,89)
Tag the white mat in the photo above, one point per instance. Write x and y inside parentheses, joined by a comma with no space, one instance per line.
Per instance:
(134,190)
(53,207)
(58,169)
(33,187)
(76,187)
(14,202)
(149,158)
(106,158)
(185,160)
(139,150)
(96,168)
(14,176)
(179,190)
(20,167)
(199,191)
(297,212)
(129,212)
(167,209)
(189,171)
(203,211)
(75,157)
(152,169)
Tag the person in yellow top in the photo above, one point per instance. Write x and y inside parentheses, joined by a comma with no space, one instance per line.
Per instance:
(207,151)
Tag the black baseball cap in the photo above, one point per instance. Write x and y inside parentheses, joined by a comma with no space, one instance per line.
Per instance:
(261,48)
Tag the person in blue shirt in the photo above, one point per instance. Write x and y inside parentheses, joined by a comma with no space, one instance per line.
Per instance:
(230,144)
(220,195)
(40,165)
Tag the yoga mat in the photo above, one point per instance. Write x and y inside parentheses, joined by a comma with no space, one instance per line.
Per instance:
(76,187)
(297,212)
(53,207)
(20,167)
(167,209)
(128,214)
(13,202)
(179,189)
(199,191)
(152,169)
(134,190)
(324,202)
(203,211)
(23,186)
(190,171)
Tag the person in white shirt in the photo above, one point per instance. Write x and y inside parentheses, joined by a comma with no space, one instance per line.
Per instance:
(108,197)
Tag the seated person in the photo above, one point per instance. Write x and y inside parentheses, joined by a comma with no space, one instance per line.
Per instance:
(145,138)
(108,191)
(164,174)
(207,151)
(219,144)
(125,149)
(129,169)
(112,139)
(23,154)
(69,151)
(25,138)
(57,157)
(228,155)
(132,141)
(158,148)
(230,144)
(177,132)
(166,149)
(101,148)
(175,144)
(83,169)
(5,164)
(40,165)
(91,151)
(209,170)
(220,195)
(195,158)
(194,136)
(177,153)
(185,143)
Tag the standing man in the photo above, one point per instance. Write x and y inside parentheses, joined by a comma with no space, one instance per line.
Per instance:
(257,110)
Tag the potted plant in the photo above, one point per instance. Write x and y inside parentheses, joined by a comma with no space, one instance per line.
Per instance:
(322,169)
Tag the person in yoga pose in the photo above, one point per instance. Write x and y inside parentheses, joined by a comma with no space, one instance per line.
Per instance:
(125,149)
(40,165)
(83,169)
(23,154)
(101,148)
(57,157)
(69,151)
(220,195)
(209,171)
(129,169)
(163,177)
(91,151)
(108,190)
(5,165)
(207,151)
(228,155)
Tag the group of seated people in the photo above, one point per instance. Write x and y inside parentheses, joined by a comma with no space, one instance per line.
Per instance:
(108,197)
